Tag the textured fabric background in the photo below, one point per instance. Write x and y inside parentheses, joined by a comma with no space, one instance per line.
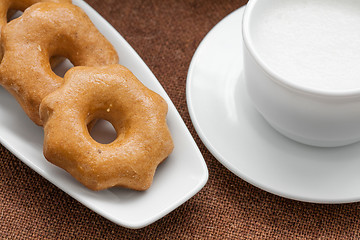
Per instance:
(166,34)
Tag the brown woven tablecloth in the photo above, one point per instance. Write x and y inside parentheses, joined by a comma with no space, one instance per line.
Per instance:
(166,34)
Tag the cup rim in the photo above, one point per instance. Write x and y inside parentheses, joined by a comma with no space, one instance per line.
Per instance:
(273,75)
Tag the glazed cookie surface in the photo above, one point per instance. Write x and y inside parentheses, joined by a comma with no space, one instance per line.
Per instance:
(10,6)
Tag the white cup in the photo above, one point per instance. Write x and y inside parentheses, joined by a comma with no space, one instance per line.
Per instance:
(300,70)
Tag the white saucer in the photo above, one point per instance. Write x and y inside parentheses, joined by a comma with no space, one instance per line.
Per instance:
(177,179)
(237,135)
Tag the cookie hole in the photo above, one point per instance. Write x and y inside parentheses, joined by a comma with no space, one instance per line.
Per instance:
(103,132)
(60,65)
(13,14)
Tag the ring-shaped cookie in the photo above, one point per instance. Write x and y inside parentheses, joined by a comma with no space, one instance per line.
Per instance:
(138,114)
(45,30)
(6,5)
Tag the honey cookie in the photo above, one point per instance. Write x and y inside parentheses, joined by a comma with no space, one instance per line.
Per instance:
(45,30)
(138,115)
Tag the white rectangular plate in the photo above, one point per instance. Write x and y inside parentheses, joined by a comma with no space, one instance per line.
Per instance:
(176,180)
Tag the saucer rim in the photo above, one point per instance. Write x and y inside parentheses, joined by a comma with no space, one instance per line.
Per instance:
(215,152)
